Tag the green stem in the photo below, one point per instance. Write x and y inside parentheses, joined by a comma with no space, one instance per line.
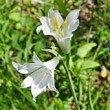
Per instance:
(72,86)
(67,60)
(90,100)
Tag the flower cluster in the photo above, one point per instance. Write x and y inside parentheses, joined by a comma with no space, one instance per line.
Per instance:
(42,73)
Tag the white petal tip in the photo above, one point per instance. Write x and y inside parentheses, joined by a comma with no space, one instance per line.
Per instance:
(77,10)
(56,91)
(34,53)
(22,86)
(14,65)
(34,99)
(37,31)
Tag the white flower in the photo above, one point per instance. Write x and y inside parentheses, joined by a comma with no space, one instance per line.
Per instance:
(61,29)
(42,75)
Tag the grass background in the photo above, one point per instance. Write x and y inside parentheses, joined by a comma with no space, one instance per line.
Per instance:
(90,52)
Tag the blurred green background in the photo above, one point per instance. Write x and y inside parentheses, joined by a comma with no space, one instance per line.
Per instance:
(90,51)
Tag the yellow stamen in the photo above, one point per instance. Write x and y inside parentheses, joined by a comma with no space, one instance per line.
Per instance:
(55,22)
(63,24)
(55,26)
(60,34)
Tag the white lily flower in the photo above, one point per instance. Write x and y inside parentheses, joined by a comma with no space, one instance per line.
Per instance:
(61,29)
(42,75)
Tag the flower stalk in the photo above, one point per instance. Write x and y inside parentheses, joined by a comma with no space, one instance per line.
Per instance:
(72,86)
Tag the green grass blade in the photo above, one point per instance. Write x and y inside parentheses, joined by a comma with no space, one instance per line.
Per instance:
(61,6)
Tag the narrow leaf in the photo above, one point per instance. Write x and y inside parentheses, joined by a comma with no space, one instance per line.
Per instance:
(61,6)
(51,51)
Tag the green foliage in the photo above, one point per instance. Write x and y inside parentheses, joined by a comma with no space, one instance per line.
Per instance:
(15,16)
(18,40)
(51,51)
(89,64)
(82,51)
(61,6)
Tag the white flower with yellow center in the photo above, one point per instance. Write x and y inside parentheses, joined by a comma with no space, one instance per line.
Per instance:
(42,75)
(61,29)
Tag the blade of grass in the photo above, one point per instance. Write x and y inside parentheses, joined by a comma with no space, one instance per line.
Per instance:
(89,93)
(97,96)
(80,91)
(61,6)
(29,45)
(27,96)
(98,48)
(108,104)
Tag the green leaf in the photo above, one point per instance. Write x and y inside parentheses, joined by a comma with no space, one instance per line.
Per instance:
(89,64)
(15,16)
(82,51)
(18,25)
(15,40)
(59,104)
(5,27)
(51,51)
(51,106)
(39,45)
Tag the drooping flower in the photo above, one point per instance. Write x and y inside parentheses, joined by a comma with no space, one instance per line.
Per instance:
(61,29)
(42,75)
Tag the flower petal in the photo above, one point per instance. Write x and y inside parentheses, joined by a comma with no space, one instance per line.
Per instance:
(50,12)
(58,16)
(70,27)
(44,27)
(73,15)
(51,84)
(28,81)
(64,44)
(74,25)
(51,64)
(26,67)
(39,83)
(36,59)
